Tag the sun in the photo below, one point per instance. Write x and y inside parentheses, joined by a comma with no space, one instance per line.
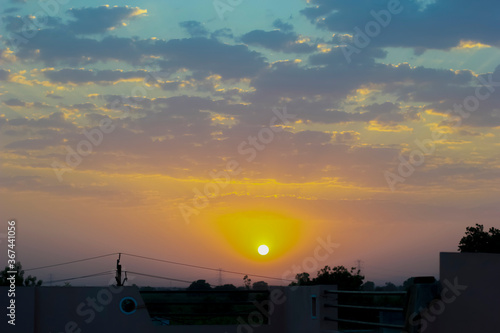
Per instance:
(247,230)
(263,250)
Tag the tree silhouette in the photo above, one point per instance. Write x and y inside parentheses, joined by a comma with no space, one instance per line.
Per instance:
(20,280)
(199,285)
(247,282)
(368,286)
(478,240)
(389,286)
(226,287)
(260,285)
(303,279)
(408,283)
(339,275)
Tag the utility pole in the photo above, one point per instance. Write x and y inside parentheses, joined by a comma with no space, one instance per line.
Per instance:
(118,277)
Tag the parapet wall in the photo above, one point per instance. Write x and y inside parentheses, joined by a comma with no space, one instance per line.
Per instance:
(101,309)
(470,297)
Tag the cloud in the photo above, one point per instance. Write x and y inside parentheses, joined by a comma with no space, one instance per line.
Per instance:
(7,56)
(469,133)
(194,28)
(4,74)
(44,185)
(81,76)
(283,26)
(14,102)
(18,24)
(54,46)
(442,24)
(101,19)
(53,96)
(24,182)
(17,102)
(34,144)
(380,108)
(223,33)
(383,113)
(229,61)
(176,136)
(333,80)
(379,126)
(461,101)
(346,136)
(79,107)
(277,40)
(312,137)
(224,92)
(336,58)
(54,120)
(11,10)
(176,106)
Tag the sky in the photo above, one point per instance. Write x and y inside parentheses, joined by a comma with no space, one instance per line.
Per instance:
(334,132)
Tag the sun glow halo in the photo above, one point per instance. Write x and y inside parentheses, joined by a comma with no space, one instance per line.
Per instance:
(247,230)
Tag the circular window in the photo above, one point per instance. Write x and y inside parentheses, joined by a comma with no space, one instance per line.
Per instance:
(128,305)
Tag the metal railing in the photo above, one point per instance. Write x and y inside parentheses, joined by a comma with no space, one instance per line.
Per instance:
(353,309)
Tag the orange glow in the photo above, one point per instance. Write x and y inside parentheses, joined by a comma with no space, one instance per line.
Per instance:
(246,231)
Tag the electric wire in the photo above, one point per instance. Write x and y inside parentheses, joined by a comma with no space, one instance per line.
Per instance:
(71,262)
(84,276)
(158,260)
(203,267)
(159,277)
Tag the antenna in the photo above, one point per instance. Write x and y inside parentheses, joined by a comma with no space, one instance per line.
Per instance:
(126,278)
(359,264)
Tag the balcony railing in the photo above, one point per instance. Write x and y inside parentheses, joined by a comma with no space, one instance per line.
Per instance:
(368,309)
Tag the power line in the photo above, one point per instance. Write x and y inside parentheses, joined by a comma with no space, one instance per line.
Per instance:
(84,277)
(159,277)
(159,260)
(72,262)
(203,267)
(171,262)
(261,276)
